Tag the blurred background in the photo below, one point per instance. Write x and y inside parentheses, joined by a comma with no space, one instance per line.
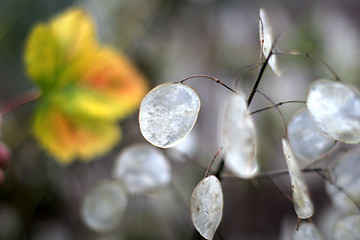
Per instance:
(169,40)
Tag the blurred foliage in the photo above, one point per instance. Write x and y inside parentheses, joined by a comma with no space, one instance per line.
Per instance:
(85,87)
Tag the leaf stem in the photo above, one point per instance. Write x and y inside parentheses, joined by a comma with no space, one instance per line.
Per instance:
(295,53)
(208,170)
(209,77)
(19,101)
(273,173)
(277,109)
(276,105)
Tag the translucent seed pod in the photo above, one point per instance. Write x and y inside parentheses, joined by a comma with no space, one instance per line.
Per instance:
(266,40)
(207,206)
(168,113)
(345,173)
(307,231)
(347,227)
(103,206)
(305,139)
(142,168)
(303,205)
(334,109)
(239,137)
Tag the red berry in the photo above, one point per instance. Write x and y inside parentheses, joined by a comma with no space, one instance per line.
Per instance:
(5,155)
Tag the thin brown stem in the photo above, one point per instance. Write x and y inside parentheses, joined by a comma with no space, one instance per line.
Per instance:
(277,109)
(209,77)
(243,71)
(270,178)
(208,170)
(276,105)
(187,158)
(273,173)
(294,53)
(298,224)
(19,101)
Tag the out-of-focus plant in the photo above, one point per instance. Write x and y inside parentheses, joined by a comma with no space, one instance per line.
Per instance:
(85,87)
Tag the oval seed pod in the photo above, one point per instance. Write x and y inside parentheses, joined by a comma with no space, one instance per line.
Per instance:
(207,206)
(347,227)
(239,138)
(142,168)
(345,173)
(303,205)
(334,109)
(168,113)
(103,206)
(266,40)
(305,139)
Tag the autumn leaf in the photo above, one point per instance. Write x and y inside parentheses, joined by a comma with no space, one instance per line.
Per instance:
(86,88)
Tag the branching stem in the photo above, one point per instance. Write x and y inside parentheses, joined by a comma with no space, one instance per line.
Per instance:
(276,105)
(274,173)
(243,71)
(209,77)
(294,53)
(189,159)
(277,109)
(261,72)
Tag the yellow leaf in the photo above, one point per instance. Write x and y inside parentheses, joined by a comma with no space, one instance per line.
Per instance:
(43,56)
(86,102)
(115,76)
(67,137)
(74,30)
(86,87)
(56,50)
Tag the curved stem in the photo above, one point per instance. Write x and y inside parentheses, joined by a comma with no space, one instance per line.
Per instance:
(276,105)
(273,173)
(188,159)
(243,71)
(278,110)
(20,101)
(208,170)
(294,53)
(209,77)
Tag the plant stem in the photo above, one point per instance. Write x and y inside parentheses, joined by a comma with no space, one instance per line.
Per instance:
(294,53)
(261,72)
(276,105)
(274,173)
(208,170)
(19,101)
(277,109)
(257,82)
(209,77)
